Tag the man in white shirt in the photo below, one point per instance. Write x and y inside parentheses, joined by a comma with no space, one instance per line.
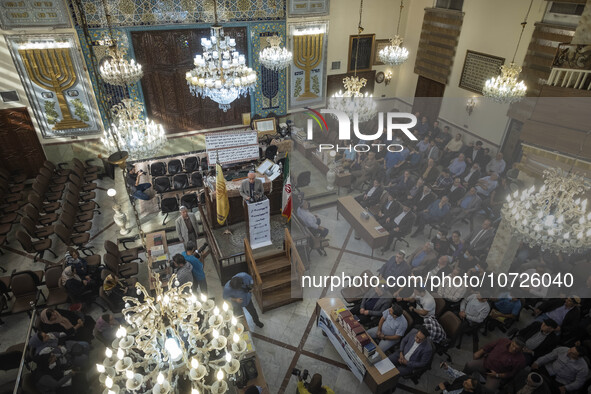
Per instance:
(310,220)
(425,304)
(486,185)
(496,165)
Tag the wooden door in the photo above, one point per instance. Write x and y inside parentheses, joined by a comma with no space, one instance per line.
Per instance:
(20,148)
(166,56)
(511,148)
(428,97)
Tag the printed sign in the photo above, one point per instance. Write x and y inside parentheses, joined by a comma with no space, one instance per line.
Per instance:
(33,13)
(259,224)
(232,147)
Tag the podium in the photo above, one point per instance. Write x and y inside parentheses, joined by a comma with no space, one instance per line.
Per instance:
(257,217)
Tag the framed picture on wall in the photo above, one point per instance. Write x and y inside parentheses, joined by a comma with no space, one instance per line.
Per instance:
(478,68)
(379,45)
(364,52)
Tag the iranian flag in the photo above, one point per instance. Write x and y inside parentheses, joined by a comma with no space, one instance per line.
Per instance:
(286,200)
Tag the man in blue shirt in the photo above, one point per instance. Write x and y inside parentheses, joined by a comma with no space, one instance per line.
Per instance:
(457,165)
(505,309)
(436,213)
(238,291)
(393,159)
(197,267)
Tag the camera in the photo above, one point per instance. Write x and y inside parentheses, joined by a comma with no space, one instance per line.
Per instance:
(301,375)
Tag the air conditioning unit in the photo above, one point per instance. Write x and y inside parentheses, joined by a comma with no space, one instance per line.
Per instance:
(563,13)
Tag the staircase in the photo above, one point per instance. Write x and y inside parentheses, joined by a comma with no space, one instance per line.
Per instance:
(274,283)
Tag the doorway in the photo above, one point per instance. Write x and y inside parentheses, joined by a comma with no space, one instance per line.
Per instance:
(428,98)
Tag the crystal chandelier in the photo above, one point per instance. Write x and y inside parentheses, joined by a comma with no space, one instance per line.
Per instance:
(275,57)
(221,72)
(172,340)
(555,218)
(118,71)
(505,88)
(395,54)
(355,104)
(141,138)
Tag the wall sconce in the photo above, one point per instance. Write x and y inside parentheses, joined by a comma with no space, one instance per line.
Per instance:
(387,77)
(470,106)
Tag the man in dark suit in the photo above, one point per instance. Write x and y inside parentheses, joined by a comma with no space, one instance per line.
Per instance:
(466,206)
(471,175)
(456,191)
(372,196)
(251,189)
(541,339)
(399,226)
(388,211)
(401,185)
(423,199)
(415,352)
(475,154)
(480,240)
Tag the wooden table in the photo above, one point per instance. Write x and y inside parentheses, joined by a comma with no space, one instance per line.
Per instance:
(366,229)
(149,244)
(376,382)
(260,379)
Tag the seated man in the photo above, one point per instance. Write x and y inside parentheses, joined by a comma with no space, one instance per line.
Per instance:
(399,226)
(462,383)
(505,309)
(400,186)
(486,185)
(428,171)
(425,304)
(526,382)
(442,183)
(480,240)
(457,165)
(395,267)
(412,162)
(435,214)
(452,294)
(374,302)
(471,175)
(456,191)
(442,268)
(422,257)
(473,310)
(372,196)
(423,145)
(137,189)
(393,161)
(412,193)
(388,211)
(565,367)
(390,329)
(415,352)
(443,138)
(456,245)
(498,361)
(368,169)
(423,200)
(567,316)
(496,165)
(469,204)
(310,220)
(440,242)
(541,339)
(436,331)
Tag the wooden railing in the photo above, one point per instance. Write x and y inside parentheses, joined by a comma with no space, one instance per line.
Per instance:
(297,267)
(570,78)
(254,272)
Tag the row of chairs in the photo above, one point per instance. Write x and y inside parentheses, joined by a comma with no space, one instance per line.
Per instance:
(11,201)
(172,204)
(174,166)
(180,181)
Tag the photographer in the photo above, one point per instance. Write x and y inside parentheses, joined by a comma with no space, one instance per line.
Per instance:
(314,387)
(133,182)
(238,291)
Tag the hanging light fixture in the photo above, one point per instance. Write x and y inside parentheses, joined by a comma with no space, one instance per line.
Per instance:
(116,70)
(220,73)
(141,138)
(275,57)
(352,102)
(173,337)
(395,54)
(505,88)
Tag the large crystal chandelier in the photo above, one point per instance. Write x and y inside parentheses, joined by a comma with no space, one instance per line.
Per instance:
(506,88)
(141,138)
(221,72)
(555,218)
(275,57)
(352,102)
(116,70)
(395,54)
(175,342)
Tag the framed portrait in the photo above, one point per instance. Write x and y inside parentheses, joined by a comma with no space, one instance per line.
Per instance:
(379,45)
(265,126)
(478,68)
(364,52)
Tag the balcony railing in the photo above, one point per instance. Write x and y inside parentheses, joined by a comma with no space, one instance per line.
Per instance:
(570,78)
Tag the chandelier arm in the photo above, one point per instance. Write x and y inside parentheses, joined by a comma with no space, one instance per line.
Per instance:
(523,24)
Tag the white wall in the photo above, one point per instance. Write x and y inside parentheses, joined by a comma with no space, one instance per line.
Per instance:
(491,27)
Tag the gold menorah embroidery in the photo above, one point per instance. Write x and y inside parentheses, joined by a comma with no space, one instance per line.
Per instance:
(307,55)
(52,69)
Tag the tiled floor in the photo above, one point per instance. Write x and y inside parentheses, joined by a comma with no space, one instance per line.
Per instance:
(289,338)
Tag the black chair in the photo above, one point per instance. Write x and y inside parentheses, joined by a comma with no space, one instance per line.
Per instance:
(180,181)
(168,205)
(158,169)
(197,179)
(418,372)
(175,166)
(191,164)
(161,184)
(303,179)
(204,163)
(190,200)
(271,152)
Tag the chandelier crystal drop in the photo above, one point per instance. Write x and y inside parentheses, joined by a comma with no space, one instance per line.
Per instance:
(141,138)
(118,71)
(173,337)
(556,217)
(220,73)
(275,57)
(352,101)
(505,88)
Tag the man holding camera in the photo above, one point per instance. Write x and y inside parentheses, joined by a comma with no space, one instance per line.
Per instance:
(238,291)
(251,189)
(133,182)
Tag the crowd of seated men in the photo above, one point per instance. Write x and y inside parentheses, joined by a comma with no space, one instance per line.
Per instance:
(440,182)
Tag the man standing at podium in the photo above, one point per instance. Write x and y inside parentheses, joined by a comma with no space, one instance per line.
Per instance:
(252,189)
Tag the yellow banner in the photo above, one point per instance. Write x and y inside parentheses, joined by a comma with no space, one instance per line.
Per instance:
(221,196)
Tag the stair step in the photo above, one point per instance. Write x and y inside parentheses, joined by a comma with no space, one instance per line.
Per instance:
(273,265)
(278,298)
(276,281)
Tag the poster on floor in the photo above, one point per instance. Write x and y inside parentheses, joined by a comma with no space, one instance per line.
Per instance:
(340,343)
(259,224)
